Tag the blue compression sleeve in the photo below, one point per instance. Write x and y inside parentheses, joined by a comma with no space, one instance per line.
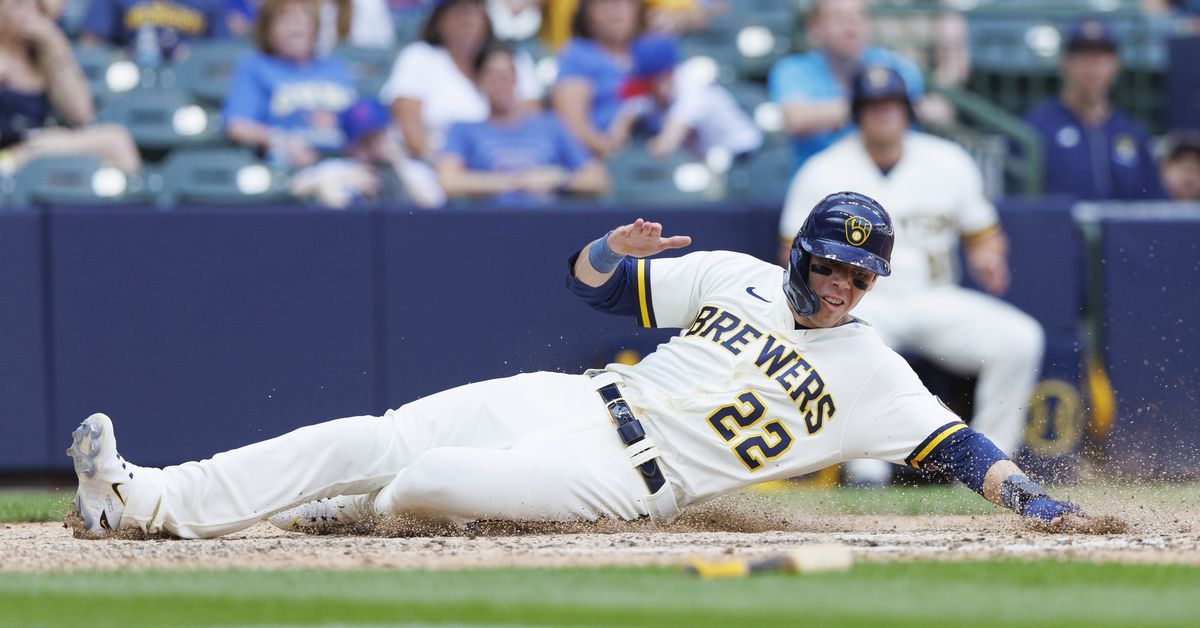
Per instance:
(618,295)
(960,451)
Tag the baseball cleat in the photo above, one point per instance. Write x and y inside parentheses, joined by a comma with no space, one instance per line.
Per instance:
(103,475)
(323,514)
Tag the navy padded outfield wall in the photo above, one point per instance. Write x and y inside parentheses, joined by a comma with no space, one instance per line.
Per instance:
(203,330)
(1152,332)
(24,417)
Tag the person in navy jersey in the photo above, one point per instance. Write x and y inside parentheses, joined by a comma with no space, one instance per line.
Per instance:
(593,65)
(283,98)
(515,156)
(174,24)
(1091,150)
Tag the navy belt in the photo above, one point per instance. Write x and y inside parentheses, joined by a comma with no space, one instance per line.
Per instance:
(629,428)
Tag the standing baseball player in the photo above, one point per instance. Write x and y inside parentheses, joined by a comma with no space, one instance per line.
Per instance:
(770,377)
(934,192)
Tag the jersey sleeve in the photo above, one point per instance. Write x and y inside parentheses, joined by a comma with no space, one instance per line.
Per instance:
(977,216)
(896,418)
(657,292)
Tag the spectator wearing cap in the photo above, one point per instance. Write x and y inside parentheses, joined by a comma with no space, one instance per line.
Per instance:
(813,87)
(1091,150)
(593,66)
(677,111)
(934,193)
(153,31)
(1181,165)
(516,156)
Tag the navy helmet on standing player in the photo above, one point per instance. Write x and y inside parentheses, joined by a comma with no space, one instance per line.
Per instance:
(846,227)
(875,84)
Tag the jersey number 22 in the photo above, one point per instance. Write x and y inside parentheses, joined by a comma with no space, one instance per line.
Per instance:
(731,423)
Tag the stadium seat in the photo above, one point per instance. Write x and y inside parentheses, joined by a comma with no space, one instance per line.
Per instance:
(215,175)
(74,180)
(205,71)
(369,67)
(641,177)
(96,62)
(763,176)
(161,119)
(762,40)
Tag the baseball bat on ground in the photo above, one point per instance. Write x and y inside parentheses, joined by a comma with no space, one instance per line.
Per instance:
(808,559)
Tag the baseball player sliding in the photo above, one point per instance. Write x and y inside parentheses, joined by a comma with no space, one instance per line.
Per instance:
(770,377)
(934,192)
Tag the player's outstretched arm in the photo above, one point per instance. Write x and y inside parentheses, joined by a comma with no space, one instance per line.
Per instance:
(598,260)
(972,458)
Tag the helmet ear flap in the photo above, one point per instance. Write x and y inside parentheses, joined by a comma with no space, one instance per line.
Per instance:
(795,284)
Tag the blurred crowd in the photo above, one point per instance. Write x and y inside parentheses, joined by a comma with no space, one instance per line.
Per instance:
(528,102)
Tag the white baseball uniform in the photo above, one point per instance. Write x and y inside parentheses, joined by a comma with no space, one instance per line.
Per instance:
(935,197)
(740,396)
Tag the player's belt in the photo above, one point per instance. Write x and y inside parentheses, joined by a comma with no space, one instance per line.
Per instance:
(629,428)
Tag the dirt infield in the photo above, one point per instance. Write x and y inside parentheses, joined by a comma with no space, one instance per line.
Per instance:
(1160,532)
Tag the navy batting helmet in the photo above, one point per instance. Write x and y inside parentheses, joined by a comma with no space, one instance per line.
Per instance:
(875,83)
(847,227)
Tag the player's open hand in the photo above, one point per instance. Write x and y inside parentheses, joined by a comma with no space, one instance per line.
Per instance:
(643,239)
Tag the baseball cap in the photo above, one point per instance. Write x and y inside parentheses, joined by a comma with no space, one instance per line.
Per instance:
(1091,33)
(362,118)
(1182,141)
(654,55)
(874,83)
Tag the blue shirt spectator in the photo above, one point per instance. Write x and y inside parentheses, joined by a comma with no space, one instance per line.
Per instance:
(304,99)
(584,58)
(809,78)
(1092,151)
(174,23)
(515,156)
(592,67)
(532,142)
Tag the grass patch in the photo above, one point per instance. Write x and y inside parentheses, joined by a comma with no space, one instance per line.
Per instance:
(41,505)
(898,594)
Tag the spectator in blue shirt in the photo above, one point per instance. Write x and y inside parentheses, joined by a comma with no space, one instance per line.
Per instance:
(812,87)
(1091,150)
(282,98)
(515,156)
(593,65)
(169,24)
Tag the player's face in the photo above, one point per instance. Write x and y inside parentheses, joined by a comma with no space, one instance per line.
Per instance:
(883,121)
(839,287)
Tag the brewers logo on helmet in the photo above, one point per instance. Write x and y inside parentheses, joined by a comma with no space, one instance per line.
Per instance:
(858,229)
